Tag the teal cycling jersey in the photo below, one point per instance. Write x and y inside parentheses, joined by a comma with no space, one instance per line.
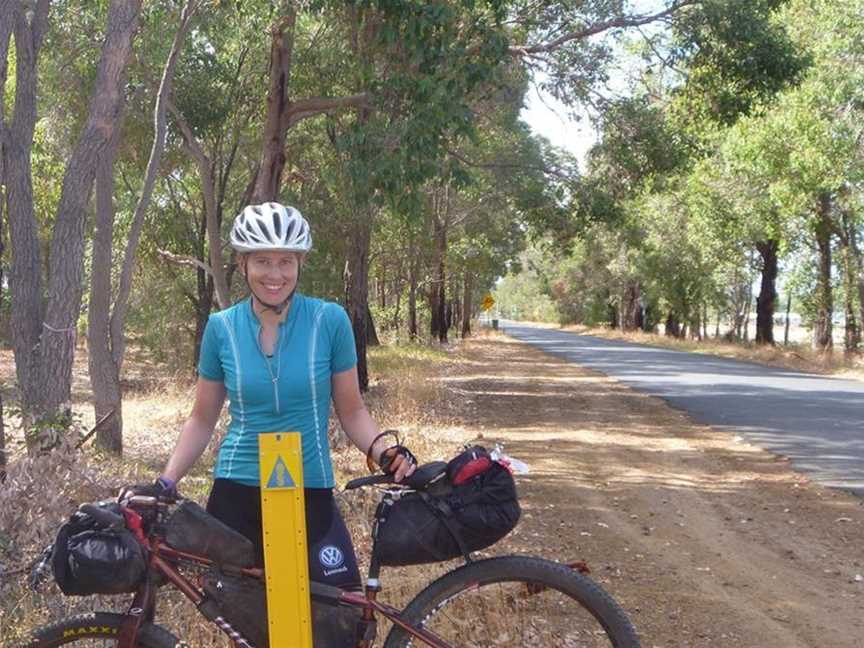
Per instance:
(288,392)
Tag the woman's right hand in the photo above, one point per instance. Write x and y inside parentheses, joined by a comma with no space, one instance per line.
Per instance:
(398,461)
(163,488)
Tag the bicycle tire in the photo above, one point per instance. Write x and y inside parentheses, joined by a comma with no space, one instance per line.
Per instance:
(85,629)
(569,609)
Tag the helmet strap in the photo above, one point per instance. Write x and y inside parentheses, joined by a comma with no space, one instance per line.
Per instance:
(276,308)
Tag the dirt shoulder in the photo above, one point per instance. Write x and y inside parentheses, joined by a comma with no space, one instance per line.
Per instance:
(705,540)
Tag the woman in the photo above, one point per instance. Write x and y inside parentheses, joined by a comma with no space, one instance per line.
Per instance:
(280,357)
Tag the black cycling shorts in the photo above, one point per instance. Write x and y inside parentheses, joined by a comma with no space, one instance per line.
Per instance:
(331,553)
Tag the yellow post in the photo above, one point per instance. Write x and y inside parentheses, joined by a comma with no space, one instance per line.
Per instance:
(286,566)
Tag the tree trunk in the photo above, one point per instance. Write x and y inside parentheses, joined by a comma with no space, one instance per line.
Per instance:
(45,346)
(382,286)
(357,288)
(630,306)
(66,264)
(438,300)
(160,129)
(673,327)
(106,340)
(3,460)
(413,272)
(371,333)
(25,275)
(612,314)
(851,272)
(859,263)
(467,290)
(823,340)
(5,33)
(104,372)
(272,161)
(211,207)
(767,298)
(748,309)
(786,327)
(696,323)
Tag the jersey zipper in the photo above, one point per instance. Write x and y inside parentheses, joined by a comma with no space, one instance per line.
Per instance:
(274,378)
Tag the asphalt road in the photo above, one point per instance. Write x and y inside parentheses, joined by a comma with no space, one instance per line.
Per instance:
(817,422)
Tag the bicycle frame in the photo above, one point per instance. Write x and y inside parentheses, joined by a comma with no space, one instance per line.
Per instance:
(162,561)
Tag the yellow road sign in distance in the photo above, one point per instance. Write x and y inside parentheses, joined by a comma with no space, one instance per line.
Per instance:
(286,566)
(488,302)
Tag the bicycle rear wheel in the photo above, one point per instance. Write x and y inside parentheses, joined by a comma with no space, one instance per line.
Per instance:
(98,630)
(516,601)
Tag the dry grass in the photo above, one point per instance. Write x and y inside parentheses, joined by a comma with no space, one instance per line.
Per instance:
(798,357)
(407,393)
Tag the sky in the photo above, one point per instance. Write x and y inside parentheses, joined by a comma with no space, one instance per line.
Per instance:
(547,117)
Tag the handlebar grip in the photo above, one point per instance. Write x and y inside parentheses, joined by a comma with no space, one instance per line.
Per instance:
(369,481)
(103,516)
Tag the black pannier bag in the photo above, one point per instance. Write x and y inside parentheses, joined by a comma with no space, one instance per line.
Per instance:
(89,557)
(446,520)
(242,602)
(192,529)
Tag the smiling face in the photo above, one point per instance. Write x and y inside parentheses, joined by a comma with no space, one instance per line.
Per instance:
(272,275)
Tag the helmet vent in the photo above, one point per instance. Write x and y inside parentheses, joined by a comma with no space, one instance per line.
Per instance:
(277,225)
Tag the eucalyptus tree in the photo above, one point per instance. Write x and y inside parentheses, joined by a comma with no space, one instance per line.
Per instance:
(5,34)
(805,148)
(44,327)
(421,65)
(107,308)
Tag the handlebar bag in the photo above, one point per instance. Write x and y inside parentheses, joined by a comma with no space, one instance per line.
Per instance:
(447,520)
(192,529)
(88,558)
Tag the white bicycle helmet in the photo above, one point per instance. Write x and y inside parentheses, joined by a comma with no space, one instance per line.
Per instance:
(270,226)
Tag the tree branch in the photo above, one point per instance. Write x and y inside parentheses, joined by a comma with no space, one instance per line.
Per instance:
(497,165)
(208,190)
(121,302)
(300,110)
(182,260)
(598,28)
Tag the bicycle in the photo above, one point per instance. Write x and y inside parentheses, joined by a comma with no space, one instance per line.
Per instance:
(510,600)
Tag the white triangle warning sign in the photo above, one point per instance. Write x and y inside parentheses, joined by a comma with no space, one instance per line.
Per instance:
(280,477)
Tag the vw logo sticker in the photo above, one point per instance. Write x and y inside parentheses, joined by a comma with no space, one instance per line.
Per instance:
(331,556)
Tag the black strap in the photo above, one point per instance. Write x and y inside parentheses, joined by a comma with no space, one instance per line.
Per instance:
(443,511)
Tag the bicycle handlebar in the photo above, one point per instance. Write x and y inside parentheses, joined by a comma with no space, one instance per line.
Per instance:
(419,479)
(386,478)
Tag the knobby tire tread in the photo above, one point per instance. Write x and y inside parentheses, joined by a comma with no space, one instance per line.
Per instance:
(150,635)
(521,568)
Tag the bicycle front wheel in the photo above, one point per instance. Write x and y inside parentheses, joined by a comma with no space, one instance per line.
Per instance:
(516,601)
(98,630)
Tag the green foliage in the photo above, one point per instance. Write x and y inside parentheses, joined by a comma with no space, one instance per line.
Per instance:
(736,55)
(523,293)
